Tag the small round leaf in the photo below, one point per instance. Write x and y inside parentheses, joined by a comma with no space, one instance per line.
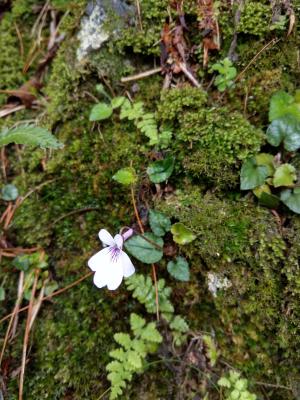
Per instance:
(252,174)
(181,234)
(125,176)
(179,269)
(160,171)
(285,175)
(100,112)
(9,192)
(159,222)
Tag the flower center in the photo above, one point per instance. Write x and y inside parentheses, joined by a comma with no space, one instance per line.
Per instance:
(114,253)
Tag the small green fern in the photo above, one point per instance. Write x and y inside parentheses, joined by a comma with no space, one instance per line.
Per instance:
(146,123)
(144,292)
(30,135)
(130,356)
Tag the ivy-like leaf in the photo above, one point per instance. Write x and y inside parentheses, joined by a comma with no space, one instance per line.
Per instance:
(100,112)
(125,176)
(285,130)
(282,104)
(291,198)
(285,175)
(179,269)
(181,234)
(252,174)
(159,222)
(30,135)
(9,192)
(266,160)
(161,170)
(148,251)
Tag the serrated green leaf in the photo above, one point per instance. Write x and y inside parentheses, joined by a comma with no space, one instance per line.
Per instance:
(117,102)
(134,359)
(136,322)
(123,339)
(224,382)
(30,135)
(118,354)
(291,198)
(179,269)
(151,334)
(125,176)
(159,223)
(9,192)
(2,293)
(285,175)
(252,174)
(179,324)
(148,251)
(113,366)
(100,112)
(181,234)
(285,130)
(282,104)
(160,171)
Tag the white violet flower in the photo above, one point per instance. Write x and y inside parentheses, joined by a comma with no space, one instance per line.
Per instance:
(111,264)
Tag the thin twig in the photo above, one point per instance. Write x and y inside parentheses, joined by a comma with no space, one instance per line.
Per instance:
(271,43)
(12,316)
(27,332)
(80,210)
(153,266)
(136,211)
(189,75)
(138,7)
(56,293)
(141,75)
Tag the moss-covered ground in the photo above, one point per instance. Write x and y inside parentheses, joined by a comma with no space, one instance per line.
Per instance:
(256,322)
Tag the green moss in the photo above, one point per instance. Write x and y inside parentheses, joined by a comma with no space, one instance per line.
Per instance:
(255,18)
(242,241)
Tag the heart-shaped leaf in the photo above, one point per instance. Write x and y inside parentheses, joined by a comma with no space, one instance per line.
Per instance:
(267,160)
(252,174)
(181,234)
(282,104)
(159,222)
(285,175)
(125,176)
(100,112)
(147,248)
(9,192)
(287,130)
(179,269)
(160,171)
(291,198)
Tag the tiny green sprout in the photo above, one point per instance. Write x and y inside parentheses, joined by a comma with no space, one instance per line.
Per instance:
(125,176)
(227,73)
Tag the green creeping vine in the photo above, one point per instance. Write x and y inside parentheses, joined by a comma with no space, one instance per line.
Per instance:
(129,358)
(274,178)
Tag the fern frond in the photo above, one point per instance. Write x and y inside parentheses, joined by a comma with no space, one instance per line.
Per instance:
(30,135)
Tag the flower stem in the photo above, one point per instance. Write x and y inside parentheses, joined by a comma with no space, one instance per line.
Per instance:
(153,266)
